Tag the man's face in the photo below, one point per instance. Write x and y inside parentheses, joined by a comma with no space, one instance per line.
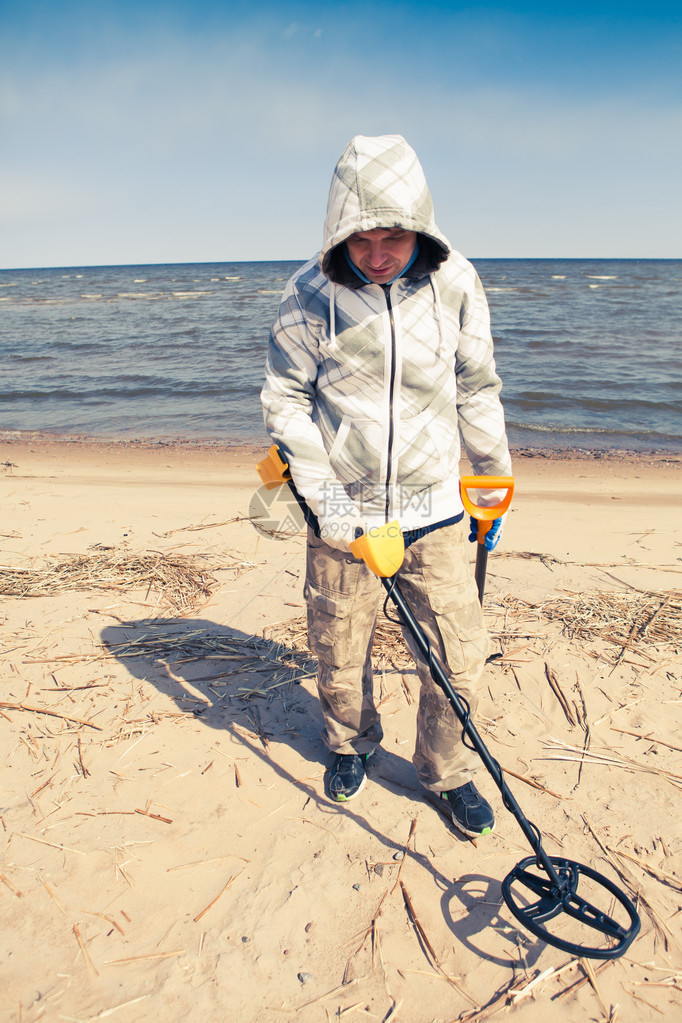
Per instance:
(382,253)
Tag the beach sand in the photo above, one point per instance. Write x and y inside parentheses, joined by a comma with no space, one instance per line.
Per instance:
(167,848)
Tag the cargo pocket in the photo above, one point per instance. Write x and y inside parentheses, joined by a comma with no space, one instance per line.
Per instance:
(459,620)
(329,634)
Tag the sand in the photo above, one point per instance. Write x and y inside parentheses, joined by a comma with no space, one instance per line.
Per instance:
(167,850)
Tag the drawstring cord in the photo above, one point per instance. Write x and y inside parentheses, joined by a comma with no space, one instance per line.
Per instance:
(332,318)
(438,314)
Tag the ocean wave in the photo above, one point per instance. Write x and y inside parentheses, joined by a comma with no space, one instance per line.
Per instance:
(596,431)
(21,358)
(190,294)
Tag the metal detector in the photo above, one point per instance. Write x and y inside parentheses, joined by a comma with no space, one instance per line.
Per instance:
(541,888)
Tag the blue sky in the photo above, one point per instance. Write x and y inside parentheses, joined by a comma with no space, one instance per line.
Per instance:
(180,131)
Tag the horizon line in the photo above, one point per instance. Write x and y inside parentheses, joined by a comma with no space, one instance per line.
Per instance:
(216,262)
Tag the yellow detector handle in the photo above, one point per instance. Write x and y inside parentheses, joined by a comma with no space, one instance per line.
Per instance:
(382,549)
(486,516)
(273,470)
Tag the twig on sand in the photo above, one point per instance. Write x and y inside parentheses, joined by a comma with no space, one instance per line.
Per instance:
(53,896)
(497,1002)
(15,891)
(140,959)
(46,710)
(421,934)
(402,862)
(109,920)
(648,1004)
(85,772)
(154,816)
(392,1011)
(660,875)
(92,969)
(532,984)
(581,980)
(559,693)
(609,1014)
(610,760)
(53,845)
(213,901)
(204,525)
(372,927)
(114,1008)
(328,994)
(533,784)
(647,738)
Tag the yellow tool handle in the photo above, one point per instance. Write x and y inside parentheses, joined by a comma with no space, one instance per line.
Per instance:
(485,516)
(382,549)
(273,470)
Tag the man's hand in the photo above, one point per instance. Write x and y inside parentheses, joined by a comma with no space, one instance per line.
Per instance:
(337,515)
(492,537)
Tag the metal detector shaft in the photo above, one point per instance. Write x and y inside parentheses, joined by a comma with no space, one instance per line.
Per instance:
(310,519)
(469,729)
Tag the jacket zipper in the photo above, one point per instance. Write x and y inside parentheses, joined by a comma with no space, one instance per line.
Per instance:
(391,390)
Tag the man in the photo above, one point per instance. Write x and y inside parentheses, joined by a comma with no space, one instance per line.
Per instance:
(380,358)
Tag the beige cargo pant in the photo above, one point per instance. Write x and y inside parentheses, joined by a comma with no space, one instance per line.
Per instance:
(343,598)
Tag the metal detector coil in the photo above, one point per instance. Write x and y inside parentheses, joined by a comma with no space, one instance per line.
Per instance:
(541,888)
(530,876)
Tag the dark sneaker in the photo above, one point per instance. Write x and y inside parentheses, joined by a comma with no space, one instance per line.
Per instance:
(470,811)
(347,776)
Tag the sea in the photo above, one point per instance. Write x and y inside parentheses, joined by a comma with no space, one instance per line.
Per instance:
(589,351)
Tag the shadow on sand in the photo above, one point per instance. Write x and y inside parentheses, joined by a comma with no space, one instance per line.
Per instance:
(249,687)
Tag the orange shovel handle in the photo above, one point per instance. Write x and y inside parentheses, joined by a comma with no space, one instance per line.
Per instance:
(485,516)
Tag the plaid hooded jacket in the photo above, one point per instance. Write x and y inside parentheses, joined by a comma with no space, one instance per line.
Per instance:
(371,386)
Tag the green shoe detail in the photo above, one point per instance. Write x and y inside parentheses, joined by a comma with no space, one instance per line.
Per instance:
(471,813)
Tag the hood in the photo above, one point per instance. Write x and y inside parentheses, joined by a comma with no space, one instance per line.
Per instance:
(379,182)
